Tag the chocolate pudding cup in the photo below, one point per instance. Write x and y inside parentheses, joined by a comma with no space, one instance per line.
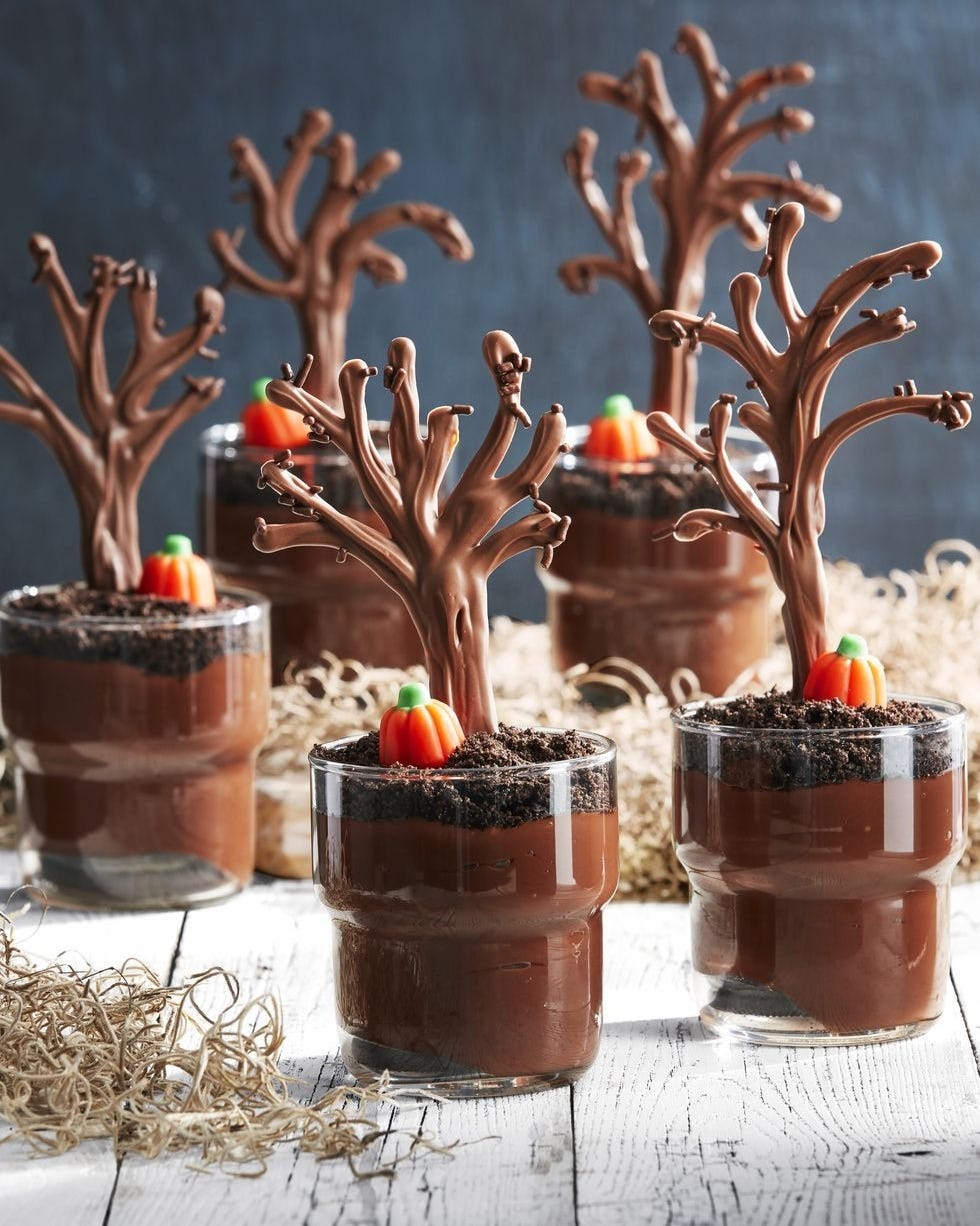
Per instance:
(466,908)
(134,739)
(615,590)
(820,909)
(314,607)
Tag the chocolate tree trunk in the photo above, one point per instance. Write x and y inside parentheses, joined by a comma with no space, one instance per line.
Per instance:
(675,367)
(456,639)
(324,329)
(675,381)
(110,539)
(802,580)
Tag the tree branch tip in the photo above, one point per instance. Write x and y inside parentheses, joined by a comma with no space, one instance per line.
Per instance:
(304,370)
(368,372)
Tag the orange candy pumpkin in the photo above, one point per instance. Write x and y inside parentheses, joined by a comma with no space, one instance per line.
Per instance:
(178,573)
(418,730)
(269,425)
(620,433)
(849,674)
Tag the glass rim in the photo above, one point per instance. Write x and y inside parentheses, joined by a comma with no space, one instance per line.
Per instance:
(604,754)
(949,715)
(575,437)
(253,607)
(216,439)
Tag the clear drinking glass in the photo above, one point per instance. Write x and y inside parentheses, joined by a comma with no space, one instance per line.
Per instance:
(314,606)
(135,741)
(613,589)
(468,959)
(820,911)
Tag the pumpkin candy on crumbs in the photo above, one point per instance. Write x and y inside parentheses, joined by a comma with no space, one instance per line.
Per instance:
(849,674)
(418,730)
(177,572)
(269,425)
(619,433)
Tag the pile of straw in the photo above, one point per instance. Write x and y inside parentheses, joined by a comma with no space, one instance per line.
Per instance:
(191,1068)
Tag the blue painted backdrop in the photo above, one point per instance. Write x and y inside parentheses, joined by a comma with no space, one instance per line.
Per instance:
(116,115)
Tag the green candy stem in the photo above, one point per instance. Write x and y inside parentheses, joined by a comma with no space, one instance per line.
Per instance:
(853,646)
(412,694)
(177,546)
(617,406)
(257,390)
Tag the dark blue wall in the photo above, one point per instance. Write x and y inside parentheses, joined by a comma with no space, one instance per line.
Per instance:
(116,116)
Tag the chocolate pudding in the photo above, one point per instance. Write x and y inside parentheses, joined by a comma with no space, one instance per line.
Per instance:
(466,906)
(134,723)
(820,853)
(313,606)
(622,586)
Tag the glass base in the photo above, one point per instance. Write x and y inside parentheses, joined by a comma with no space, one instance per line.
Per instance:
(410,1071)
(748,1012)
(159,881)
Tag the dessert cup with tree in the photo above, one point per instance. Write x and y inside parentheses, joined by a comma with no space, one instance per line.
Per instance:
(465,865)
(819,827)
(621,588)
(318,266)
(134,716)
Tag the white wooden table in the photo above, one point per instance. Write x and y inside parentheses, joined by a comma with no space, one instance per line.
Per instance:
(670,1126)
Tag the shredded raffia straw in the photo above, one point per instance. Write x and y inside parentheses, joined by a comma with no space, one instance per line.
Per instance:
(904,616)
(115,1053)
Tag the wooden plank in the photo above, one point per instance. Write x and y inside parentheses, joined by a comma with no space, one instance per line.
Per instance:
(278,936)
(673,1126)
(77,1187)
(966,958)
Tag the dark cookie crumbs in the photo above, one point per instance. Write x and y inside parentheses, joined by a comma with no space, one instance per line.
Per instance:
(662,493)
(777,762)
(62,631)
(502,801)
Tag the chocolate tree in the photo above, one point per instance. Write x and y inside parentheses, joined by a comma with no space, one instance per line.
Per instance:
(697,191)
(319,267)
(438,552)
(105,463)
(793,383)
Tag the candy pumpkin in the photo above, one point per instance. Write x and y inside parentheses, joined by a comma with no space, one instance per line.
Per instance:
(620,433)
(178,573)
(418,730)
(849,673)
(269,425)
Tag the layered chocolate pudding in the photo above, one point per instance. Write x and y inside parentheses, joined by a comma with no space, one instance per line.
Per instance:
(134,722)
(315,605)
(622,586)
(820,841)
(466,905)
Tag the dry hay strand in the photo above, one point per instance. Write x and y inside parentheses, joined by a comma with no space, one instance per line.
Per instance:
(192,1067)
(904,615)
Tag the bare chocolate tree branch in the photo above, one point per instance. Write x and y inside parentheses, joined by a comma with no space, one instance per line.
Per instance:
(320,264)
(436,554)
(698,191)
(106,463)
(793,384)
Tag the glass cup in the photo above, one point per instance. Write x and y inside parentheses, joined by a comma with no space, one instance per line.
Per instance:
(614,590)
(820,910)
(314,606)
(134,741)
(468,957)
